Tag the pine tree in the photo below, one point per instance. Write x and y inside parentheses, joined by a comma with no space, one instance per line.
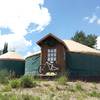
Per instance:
(5,49)
(81,37)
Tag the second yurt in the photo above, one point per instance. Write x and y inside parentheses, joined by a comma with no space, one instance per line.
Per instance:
(32,64)
(13,63)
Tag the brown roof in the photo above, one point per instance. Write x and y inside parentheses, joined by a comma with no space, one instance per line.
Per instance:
(49,35)
(11,55)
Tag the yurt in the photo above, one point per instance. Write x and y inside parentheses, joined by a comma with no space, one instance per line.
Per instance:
(32,64)
(13,63)
(75,59)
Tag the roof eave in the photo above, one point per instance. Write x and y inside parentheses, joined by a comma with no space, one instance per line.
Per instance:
(50,34)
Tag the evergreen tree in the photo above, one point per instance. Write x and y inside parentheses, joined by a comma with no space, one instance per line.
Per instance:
(5,49)
(81,37)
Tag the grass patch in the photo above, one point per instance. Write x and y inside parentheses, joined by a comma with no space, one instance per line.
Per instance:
(78,87)
(30,97)
(18,97)
(6,88)
(94,94)
(28,82)
(71,88)
(62,80)
(4,76)
(15,83)
(51,88)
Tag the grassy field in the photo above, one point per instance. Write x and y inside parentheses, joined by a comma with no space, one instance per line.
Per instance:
(59,89)
(33,88)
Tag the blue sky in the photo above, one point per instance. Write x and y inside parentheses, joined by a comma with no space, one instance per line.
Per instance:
(68,16)
(60,17)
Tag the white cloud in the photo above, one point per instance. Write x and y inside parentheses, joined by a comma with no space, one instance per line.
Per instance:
(98,7)
(28,54)
(92,19)
(17,15)
(14,41)
(98,21)
(98,42)
(86,18)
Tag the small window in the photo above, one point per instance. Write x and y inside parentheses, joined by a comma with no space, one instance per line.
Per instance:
(52,53)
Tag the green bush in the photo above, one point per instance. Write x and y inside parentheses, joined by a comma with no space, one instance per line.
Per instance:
(30,97)
(94,94)
(15,83)
(4,76)
(78,86)
(3,97)
(62,80)
(27,82)
(6,88)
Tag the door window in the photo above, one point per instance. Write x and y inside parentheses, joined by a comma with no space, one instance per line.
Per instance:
(52,53)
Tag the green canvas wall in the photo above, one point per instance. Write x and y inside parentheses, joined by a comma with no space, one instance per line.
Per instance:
(78,64)
(83,64)
(32,64)
(16,66)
